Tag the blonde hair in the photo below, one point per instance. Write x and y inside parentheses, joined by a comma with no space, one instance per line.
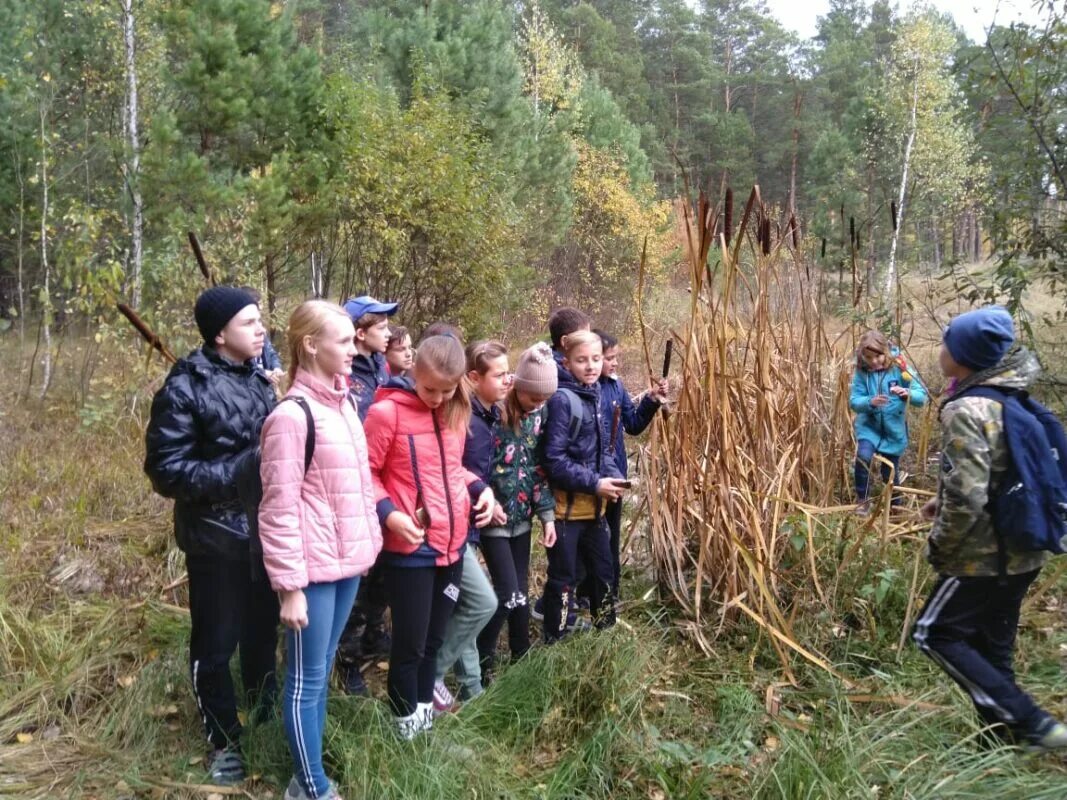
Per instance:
(443,355)
(577,339)
(308,319)
(872,340)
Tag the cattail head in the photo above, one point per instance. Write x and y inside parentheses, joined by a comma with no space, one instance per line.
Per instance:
(728,214)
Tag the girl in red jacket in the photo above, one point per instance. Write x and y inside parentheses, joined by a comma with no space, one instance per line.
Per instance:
(415,438)
(317,524)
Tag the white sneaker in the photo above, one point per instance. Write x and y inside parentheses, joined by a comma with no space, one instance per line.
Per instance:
(425,712)
(407,728)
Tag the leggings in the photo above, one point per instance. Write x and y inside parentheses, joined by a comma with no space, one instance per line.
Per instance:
(421,600)
(508,559)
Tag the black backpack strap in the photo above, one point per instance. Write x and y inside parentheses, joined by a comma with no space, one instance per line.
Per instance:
(576,414)
(309,440)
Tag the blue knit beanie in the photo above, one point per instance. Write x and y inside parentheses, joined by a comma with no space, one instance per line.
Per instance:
(980,338)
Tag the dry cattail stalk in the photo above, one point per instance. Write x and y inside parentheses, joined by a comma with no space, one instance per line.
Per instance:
(728,215)
(761,429)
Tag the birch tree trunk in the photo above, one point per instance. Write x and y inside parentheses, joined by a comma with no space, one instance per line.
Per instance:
(133,164)
(46,291)
(891,270)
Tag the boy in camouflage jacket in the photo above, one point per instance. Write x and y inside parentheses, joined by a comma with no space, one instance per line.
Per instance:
(969,622)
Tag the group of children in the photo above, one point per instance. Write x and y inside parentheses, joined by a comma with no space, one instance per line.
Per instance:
(384,473)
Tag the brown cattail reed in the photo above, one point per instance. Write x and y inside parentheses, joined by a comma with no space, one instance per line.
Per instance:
(728,215)
(760,429)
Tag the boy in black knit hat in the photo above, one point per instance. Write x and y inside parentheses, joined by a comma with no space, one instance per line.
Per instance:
(202,437)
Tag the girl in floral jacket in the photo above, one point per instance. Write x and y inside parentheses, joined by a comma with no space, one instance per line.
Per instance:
(521,492)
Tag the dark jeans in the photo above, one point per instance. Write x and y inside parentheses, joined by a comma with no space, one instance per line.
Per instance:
(968,628)
(421,600)
(613,518)
(366,624)
(508,560)
(228,609)
(865,452)
(589,541)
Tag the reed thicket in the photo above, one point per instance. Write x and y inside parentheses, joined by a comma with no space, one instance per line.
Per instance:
(760,429)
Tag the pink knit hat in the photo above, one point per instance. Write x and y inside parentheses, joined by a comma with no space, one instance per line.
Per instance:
(536,371)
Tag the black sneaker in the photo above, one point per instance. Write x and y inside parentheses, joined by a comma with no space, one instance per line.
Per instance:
(376,643)
(353,681)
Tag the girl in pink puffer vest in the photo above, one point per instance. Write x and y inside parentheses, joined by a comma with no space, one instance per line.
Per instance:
(319,529)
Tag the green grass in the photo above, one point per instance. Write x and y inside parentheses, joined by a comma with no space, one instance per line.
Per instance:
(95,700)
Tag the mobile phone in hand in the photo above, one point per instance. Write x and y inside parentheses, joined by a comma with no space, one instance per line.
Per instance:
(624,483)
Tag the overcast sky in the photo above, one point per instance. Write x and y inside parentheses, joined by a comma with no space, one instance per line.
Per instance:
(974,16)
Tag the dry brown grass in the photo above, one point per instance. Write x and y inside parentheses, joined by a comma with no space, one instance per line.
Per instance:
(761,430)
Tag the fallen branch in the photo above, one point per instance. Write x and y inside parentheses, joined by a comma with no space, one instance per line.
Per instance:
(146,332)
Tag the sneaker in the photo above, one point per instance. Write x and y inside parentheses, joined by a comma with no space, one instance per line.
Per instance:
(1050,736)
(863,509)
(443,700)
(576,624)
(376,642)
(294,791)
(467,693)
(425,713)
(537,611)
(407,728)
(353,681)
(226,767)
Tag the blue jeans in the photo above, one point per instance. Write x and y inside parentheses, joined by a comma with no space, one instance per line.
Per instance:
(309,658)
(865,452)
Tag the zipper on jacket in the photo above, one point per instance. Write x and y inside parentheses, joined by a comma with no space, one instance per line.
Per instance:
(444,480)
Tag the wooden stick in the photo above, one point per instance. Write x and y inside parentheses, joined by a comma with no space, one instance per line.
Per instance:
(146,332)
(200,261)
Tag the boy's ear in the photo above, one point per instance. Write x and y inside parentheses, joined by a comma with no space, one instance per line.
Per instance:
(472,375)
(361,334)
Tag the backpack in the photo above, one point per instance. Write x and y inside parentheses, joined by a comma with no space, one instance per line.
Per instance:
(250,485)
(576,415)
(1030,510)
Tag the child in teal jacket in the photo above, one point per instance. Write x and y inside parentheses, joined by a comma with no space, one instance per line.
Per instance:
(882,389)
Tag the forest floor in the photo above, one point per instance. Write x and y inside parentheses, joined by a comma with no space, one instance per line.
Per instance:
(95,700)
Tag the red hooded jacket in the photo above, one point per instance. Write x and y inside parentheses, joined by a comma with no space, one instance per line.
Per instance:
(415,459)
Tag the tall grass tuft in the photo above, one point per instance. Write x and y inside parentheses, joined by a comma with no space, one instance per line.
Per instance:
(760,427)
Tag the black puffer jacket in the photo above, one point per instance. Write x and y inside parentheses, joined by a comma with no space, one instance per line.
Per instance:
(202,437)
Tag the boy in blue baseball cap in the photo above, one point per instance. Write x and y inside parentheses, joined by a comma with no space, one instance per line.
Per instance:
(365,634)
(369,369)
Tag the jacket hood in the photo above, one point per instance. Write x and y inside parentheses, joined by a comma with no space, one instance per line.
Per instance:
(402,392)
(307,384)
(568,381)
(1019,369)
(491,414)
(368,365)
(206,360)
